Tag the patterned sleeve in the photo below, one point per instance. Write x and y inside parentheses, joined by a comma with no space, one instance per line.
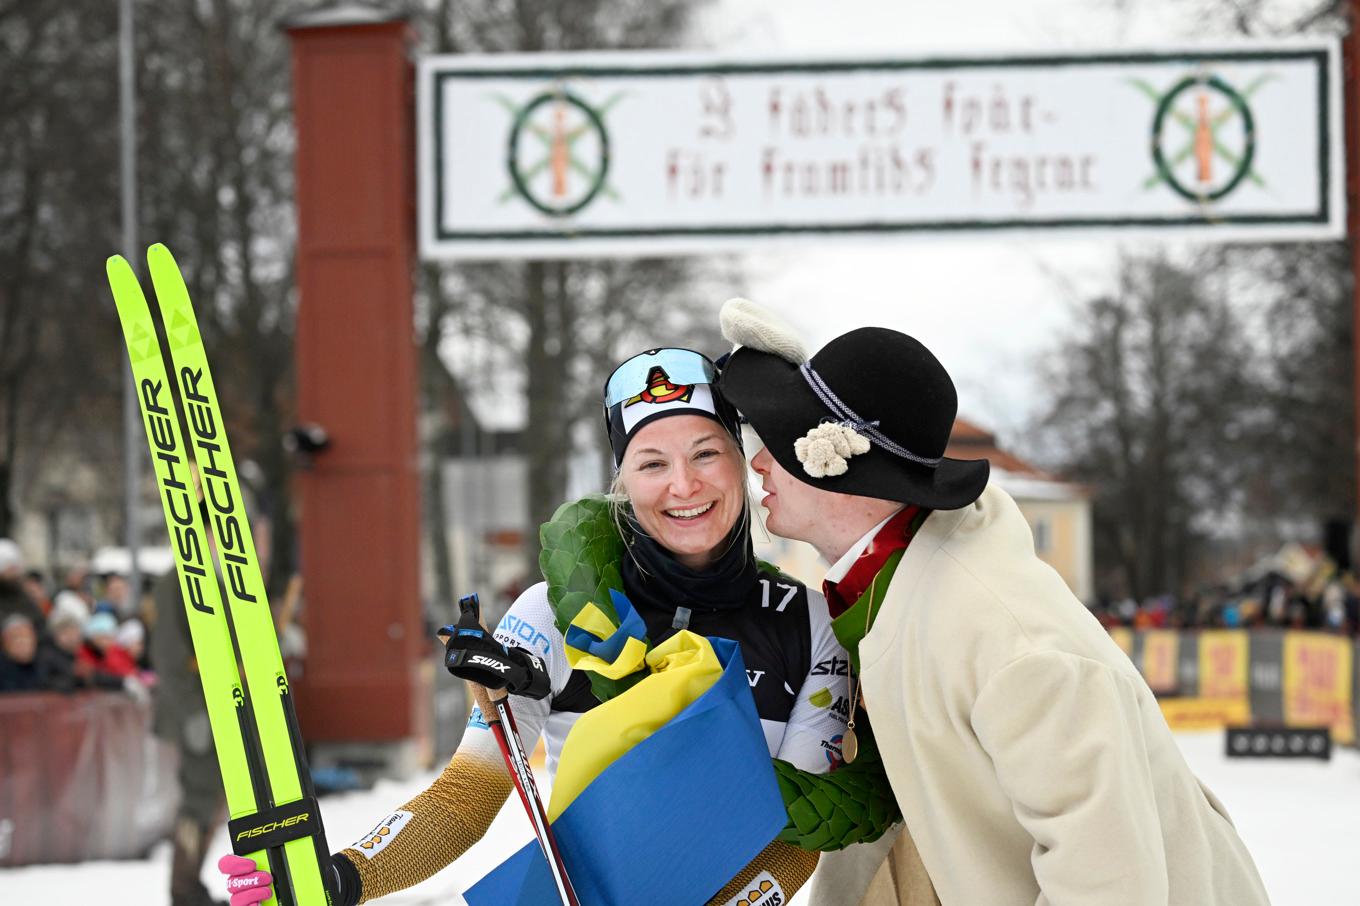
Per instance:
(812,741)
(447,818)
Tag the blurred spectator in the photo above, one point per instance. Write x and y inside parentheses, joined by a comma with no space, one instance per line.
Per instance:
(11,559)
(1232,616)
(1297,587)
(71,606)
(131,638)
(36,590)
(13,598)
(67,665)
(116,599)
(66,629)
(101,651)
(181,717)
(18,655)
(77,579)
(1333,600)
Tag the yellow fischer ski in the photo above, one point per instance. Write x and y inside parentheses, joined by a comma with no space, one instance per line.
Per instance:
(274,817)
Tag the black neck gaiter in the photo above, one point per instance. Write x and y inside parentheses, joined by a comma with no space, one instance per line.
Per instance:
(653,577)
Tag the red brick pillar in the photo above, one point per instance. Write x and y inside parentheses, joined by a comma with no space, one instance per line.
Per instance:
(365,678)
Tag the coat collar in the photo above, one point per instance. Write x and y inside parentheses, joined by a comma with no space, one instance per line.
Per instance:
(939,529)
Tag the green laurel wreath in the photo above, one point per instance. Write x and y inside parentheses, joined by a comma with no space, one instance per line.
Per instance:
(580,560)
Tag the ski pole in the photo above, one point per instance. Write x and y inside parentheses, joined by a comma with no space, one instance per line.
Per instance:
(495,708)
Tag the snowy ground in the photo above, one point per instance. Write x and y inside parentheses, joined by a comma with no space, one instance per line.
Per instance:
(1301,821)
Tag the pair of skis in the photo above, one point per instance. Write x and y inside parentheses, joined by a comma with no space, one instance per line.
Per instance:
(274,817)
(272,803)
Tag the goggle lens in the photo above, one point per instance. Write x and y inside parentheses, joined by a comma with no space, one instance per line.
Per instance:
(681,367)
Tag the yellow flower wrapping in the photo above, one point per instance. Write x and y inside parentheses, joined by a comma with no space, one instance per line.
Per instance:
(683,668)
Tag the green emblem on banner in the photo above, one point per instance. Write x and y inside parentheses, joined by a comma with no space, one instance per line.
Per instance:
(558,152)
(1203,136)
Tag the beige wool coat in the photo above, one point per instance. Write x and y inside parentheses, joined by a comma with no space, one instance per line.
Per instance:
(1031,761)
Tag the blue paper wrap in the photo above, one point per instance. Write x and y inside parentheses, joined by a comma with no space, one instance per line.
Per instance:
(671,821)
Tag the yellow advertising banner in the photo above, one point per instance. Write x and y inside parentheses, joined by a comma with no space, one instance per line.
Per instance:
(1123,637)
(1160,648)
(1205,713)
(1317,683)
(1223,664)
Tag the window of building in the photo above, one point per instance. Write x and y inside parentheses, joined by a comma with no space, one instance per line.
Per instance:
(1043,536)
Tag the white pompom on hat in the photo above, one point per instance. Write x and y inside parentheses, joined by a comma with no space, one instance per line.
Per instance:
(744,323)
(68,607)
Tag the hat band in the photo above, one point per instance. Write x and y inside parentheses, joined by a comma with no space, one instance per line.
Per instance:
(848,417)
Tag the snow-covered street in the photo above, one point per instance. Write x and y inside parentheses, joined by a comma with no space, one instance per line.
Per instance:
(1300,819)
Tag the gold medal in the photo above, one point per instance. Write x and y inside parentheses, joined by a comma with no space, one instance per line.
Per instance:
(849,741)
(849,745)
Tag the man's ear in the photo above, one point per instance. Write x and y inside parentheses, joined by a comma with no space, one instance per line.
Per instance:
(748,324)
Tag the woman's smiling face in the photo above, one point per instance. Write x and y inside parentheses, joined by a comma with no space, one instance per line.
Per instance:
(686,481)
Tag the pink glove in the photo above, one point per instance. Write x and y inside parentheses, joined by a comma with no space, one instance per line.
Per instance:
(245,884)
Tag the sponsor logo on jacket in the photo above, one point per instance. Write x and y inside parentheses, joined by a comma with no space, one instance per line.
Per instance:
(832,751)
(385,832)
(832,666)
(513,630)
(764,891)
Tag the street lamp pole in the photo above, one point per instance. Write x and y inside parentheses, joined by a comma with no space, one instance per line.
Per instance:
(132,442)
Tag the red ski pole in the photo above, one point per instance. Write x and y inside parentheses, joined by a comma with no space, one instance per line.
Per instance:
(495,707)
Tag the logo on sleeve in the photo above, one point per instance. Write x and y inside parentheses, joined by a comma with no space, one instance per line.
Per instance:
(763,891)
(386,831)
(519,632)
(832,666)
(832,750)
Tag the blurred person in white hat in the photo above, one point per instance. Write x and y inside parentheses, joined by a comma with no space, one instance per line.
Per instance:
(11,559)
(77,659)
(13,598)
(131,637)
(66,633)
(68,609)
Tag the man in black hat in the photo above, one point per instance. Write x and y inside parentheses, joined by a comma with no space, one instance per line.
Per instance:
(1030,759)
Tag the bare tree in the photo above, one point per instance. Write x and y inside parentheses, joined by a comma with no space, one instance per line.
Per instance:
(215,160)
(216,163)
(58,166)
(1151,402)
(1253,18)
(1302,297)
(566,320)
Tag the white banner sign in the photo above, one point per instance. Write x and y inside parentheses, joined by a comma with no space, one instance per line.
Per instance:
(629,154)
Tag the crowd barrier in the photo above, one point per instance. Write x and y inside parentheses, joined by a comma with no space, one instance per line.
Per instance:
(81,777)
(1212,678)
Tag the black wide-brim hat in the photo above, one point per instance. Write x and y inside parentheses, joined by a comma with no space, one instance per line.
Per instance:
(883,383)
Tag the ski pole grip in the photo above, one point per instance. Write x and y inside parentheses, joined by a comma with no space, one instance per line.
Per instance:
(469,612)
(485,699)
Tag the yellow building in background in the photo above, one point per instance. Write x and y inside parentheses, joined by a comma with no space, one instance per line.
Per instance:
(1058,512)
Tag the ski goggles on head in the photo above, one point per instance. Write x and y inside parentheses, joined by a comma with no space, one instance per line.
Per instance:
(658,383)
(636,378)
